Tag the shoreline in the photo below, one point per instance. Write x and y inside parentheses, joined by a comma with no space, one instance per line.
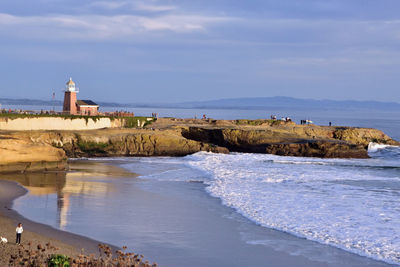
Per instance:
(67,241)
(37,233)
(49,149)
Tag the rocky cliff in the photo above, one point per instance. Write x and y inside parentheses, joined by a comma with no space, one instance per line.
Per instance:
(22,154)
(292,140)
(33,150)
(119,142)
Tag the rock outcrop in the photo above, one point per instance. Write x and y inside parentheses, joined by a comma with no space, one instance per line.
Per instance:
(36,150)
(120,142)
(291,139)
(22,155)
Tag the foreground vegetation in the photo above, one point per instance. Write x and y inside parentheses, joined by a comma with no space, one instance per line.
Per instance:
(47,256)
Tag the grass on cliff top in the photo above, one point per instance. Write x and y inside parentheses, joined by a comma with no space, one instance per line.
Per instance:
(137,122)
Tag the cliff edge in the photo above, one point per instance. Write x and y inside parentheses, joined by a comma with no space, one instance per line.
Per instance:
(22,155)
(38,150)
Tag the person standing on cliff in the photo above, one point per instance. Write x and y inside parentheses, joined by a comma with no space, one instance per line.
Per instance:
(19,231)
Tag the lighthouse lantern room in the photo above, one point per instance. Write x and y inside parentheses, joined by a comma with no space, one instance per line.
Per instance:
(70,86)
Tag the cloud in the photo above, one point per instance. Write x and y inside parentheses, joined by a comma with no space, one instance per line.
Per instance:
(307,61)
(101,27)
(336,34)
(344,65)
(327,32)
(108,4)
(149,6)
(153,8)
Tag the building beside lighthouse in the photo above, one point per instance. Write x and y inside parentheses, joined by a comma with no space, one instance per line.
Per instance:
(73,106)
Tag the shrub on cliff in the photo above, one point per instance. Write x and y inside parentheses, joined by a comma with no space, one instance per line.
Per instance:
(137,122)
(58,261)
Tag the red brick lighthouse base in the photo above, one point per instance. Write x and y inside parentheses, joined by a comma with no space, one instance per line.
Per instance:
(70,99)
(70,103)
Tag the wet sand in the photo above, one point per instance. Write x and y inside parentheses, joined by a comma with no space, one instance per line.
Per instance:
(37,233)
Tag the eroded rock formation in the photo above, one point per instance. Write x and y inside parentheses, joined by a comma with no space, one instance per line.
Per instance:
(36,150)
(292,140)
(22,154)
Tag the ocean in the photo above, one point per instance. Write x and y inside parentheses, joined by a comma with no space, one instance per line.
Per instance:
(211,209)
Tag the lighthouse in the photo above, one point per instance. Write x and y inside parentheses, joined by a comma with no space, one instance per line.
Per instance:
(70,98)
(73,106)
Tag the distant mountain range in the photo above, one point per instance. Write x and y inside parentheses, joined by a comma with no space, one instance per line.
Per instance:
(236,103)
(289,102)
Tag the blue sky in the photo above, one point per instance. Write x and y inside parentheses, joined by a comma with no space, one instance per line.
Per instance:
(171,51)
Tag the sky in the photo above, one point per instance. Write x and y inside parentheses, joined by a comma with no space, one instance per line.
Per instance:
(132,51)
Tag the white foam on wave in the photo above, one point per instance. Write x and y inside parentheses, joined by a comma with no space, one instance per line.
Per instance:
(353,209)
(374,147)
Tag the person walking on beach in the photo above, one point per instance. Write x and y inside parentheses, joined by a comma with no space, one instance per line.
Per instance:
(19,231)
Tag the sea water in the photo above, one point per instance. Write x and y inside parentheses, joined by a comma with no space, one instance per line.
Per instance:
(165,213)
(350,204)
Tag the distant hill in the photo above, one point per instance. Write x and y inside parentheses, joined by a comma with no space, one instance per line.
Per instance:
(289,102)
(33,102)
(236,103)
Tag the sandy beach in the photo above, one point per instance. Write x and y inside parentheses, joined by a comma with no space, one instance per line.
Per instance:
(36,233)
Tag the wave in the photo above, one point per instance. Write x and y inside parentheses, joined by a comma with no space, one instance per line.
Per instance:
(382,157)
(346,203)
(316,202)
(374,147)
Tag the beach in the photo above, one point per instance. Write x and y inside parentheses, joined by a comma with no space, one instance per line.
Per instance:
(36,233)
(68,243)
(71,244)
(164,214)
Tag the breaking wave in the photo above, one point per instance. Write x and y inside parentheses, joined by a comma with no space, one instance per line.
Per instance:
(347,203)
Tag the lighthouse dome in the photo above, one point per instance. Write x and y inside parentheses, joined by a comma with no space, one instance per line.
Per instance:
(70,86)
(70,82)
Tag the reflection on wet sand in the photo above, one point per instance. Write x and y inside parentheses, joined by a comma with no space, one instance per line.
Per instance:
(83,178)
